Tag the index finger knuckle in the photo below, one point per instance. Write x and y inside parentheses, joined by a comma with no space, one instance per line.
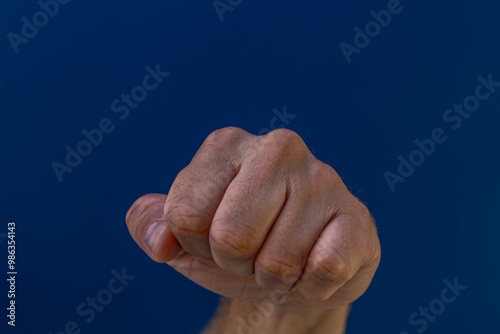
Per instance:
(187,222)
(234,242)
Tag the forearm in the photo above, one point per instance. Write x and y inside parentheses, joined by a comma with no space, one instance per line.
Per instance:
(237,316)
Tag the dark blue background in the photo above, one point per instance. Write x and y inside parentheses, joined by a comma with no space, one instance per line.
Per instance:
(440,224)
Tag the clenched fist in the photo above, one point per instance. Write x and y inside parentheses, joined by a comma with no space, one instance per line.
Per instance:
(255,214)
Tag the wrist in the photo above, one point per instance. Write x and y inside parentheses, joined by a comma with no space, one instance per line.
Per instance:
(241,316)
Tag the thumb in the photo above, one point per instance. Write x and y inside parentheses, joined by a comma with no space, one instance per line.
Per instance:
(148,228)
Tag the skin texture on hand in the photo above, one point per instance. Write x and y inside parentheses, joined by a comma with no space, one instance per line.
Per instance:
(255,214)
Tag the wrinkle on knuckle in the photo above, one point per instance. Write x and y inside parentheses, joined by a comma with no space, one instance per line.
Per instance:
(186,222)
(277,271)
(234,242)
(330,269)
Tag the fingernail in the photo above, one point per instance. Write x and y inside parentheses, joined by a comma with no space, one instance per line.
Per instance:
(153,235)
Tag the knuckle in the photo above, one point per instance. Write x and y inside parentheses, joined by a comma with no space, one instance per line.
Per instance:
(219,145)
(276,271)
(283,140)
(371,240)
(186,222)
(224,135)
(234,244)
(361,211)
(277,148)
(198,187)
(323,174)
(376,254)
(332,269)
(359,214)
(283,133)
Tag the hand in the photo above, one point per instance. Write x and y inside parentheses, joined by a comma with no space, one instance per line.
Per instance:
(255,214)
